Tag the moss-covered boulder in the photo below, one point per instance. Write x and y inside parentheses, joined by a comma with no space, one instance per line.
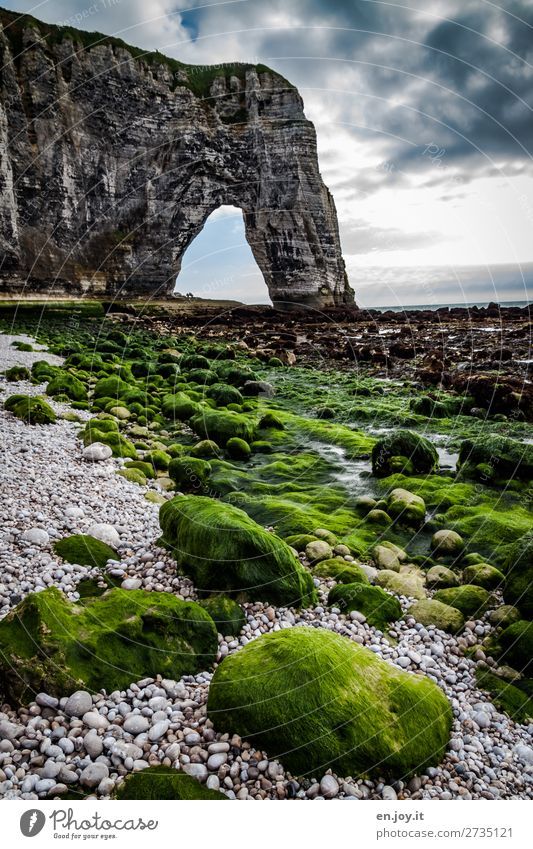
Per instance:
(190,474)
(158,459)
(407,508)
(33,411)
(111,387)
(317,700)
(446,543)
(225,613)
(223,550)
(16,373)
(516,643)
(483,575)
(238,449)
(223,425)
(421,455)
(505,459)
(375,604)
(49,645)
(179,407)
(407,584)
(145,468)
(224,394)
(67,384)
(440,577)
(469,599)
(120,446)
(85,551)
(506,696)
(206,449)
(429,611)
(340,571)
(518,588)
(164,783)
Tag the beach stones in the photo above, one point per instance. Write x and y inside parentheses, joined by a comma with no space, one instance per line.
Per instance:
(96,452)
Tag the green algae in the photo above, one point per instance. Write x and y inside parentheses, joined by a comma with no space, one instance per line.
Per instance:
(164,783)
(85,550)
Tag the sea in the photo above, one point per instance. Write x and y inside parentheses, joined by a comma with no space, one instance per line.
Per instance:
(463,305)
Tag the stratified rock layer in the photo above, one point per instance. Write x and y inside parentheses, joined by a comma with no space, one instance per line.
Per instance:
(111,160)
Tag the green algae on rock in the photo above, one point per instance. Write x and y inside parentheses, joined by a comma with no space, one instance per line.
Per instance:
(225,613)
(222,425)
(429,611)
(164,783)
(374,603)
(49,645)
(406,508)
(67,384)
(516,643)
(85,551)
(32,410)
(190,474)
(407,584)
(471,600)
(340,571)
(502,458)
(224,550)
(518,588)
(418,452)
(506,696)
(483,575)
(317,700)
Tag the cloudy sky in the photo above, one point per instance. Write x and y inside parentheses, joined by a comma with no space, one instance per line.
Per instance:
(423,110)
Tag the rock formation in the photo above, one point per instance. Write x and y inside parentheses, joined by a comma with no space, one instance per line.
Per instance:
(112,159)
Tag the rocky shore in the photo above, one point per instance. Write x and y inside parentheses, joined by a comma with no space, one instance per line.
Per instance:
(84,742)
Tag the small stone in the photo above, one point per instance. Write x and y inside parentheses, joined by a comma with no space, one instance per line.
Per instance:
(158,730)
(131,584)
(78,703)
(36,536)
(329,787)
(389,793)
(97,452)
(136,724)
(44,700)
(93,774)
(198,771)
(10,731)
(105,533)
(214,762)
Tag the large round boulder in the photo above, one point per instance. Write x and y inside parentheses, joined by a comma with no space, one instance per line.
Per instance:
(403,451)
(518,588)
(318,700)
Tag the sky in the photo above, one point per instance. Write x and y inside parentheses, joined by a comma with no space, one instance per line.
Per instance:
(424,118)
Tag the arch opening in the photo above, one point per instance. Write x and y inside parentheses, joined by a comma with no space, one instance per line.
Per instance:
(219,264)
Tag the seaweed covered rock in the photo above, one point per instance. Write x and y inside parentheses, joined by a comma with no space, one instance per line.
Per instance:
(429,611)
(470,600)
(85,550)
(106,432)
(224,394)
(446,543)
(179,407)
(16,373)
(111,387)
(316,700)
(483,575)
(206,449)
(506,696)
(518,588)
(340,571)
(516,643)
(223,425)
(165,783)
(417,454)
(33,411)
(405,583)
(225,613)
(49,645)
(223,550)
(502,458)
(375,604)
(441,577)
(190,474)
(406,508)
(67,384)
(238,449)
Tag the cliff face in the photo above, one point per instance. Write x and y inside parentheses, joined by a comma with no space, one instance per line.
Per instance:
(111,160)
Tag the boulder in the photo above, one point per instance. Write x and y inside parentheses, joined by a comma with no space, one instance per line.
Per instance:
(33,411)
(385,558)
(164,783)
(416,453)
(429,611)
(189,474)
(406,508)
(499,457)
(375,604)
(406,584)
(85,550)
(440,576)
(50,645)
(223,550)
(96,452)
(516,643)
(518,567)
(446,543)
(316,699)
(470,600)
(483,575)
(226,614)
(222,425)
(318,550)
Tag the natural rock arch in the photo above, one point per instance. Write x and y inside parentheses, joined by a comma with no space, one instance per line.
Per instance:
(115,160)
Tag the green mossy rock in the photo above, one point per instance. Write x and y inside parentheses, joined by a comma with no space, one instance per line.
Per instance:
(223,550)
(429,611)
(166,784)
(441,577)
(226,614)
(506,459)
(42,371)
(446,543)
(85,550)
(145,468)
(516,643)
(483,575)
(158,458)
(66,384)
(206,449)
(120,446)
(224,394)
(418,450)
(340,571)
(179,407)
(223,425)
(504,615)
(518,567)
(410,585)
(238,449)
(317,700)
(133,476)
(16,373)
(379,607)
(270,421)
(299,541)
(407,508)
(49,645)
(33,411)
(111,387)
(470,600)
(505,696)
(190,474)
